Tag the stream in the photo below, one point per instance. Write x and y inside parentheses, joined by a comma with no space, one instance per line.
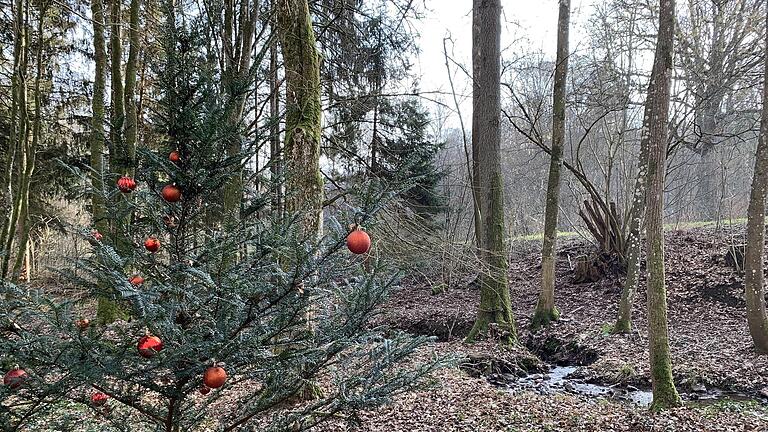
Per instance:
(559,380)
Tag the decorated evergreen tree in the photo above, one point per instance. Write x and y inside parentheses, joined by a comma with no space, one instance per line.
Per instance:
(216,330)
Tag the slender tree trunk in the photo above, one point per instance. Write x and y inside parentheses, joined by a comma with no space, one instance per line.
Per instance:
(546,310)
(634,222)
(624,320)
(131,115)
(664,392)
(118,155)
(754,280)
(30,150)
(495,305)
(238,36)
(304,184)
(19,131)
(99,214)
(274,131)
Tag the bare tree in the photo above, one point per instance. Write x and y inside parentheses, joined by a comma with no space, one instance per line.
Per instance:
(655,126)
(546,310)
(495,305)
(753,259)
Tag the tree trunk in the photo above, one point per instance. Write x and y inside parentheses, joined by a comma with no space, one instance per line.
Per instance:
(656,124)
(238,34)
(546,310)
(131,115)
(753,261)
(17,161)
(495,306)
(117,154)
(30,150)
(633,225)
(98,211)
(274,132)
(304,184)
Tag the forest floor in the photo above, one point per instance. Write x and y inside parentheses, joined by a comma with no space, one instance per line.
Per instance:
(711,350)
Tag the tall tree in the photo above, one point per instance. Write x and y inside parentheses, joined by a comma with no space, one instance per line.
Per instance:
(237,33)
(753,260)
(16,159)
(495,305)
(656,125)
(30,147)
(304,184)
(97,120)
(546,310)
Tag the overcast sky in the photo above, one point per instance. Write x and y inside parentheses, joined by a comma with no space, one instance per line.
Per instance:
(526,26)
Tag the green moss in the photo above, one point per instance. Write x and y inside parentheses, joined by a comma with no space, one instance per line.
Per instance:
(543,317)
(109,311)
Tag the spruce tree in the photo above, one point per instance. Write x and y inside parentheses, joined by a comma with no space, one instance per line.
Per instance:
(214,337)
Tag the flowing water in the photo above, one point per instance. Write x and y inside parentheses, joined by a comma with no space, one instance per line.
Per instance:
(559,380)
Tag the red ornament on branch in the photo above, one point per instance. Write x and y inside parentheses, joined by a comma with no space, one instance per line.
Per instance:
(214,377)
(358,241)
(83,323)
(171,193)
(174,156)
(149,345)
(15,377)
(99,399)
(136,280)
(152,244)
(126,184)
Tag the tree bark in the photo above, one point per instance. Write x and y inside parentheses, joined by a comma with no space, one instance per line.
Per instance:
(238,34)
(546,311)
(664,392)
(495,306)
(754,281)
(98,211)
(30,151)
(17,160)
(274,132)
(304,184)
(129,96)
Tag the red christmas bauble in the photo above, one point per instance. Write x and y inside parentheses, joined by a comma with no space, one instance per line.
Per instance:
(136,280)
(214,377)
(171,193)
(358,241)
(149,346)
(174,156)
(14,378)
(97,235)
(83,323)
(126,184)
(152,244)
(99,399)
(204,390)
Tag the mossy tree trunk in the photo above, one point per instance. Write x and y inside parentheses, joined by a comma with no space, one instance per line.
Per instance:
(495,305)
(655,125)
(546,311)
(17,158)
(30,151)
(754,280)
(237,36)
(304,183)
(107,310)
(98,210)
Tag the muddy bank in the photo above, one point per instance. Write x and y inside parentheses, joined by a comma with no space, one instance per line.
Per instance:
(708,336)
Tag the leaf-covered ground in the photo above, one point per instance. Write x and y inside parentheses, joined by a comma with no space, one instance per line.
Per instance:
(711,348)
